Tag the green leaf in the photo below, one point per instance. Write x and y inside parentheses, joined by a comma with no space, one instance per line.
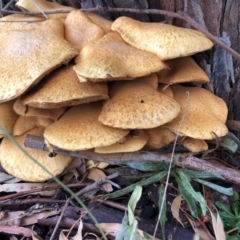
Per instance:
(144,182)
(229,144)
(226,191)
(196,174)
(163,215)
(121,233)
(187,196)
(188,187)
(145,166)
(133,202)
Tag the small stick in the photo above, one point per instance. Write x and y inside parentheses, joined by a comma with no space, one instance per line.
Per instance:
(60,219)
(96,185)
(185,160)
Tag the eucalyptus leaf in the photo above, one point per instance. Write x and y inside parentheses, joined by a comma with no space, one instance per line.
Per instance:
(229,144)
(197,174)
(144,182)
(133,202)
(145,166)
(226,191)
(187,196)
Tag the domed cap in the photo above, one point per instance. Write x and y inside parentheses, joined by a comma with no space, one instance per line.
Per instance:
(7,117)
(61,88)
(16,163)
(79,129)
(206,113)
(80,30)
(133,142)
(136,105)
(180,70)
(166,41)
(24,110)
(110,58)
(32,59)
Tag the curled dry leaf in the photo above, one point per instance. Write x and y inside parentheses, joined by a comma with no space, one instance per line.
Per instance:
(218,226)
(91,164)
(78,236)
(175,207)
(96,175)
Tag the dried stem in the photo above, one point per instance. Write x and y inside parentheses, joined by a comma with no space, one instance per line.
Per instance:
(185,160)
(181,15)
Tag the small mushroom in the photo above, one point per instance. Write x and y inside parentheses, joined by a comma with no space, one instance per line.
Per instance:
(25,124)
(137,105)
(159,137)
(164,40)
(194,145)
(110,58)
(18,164)
(133,142)
(24,110)
(80,30)
(79,129)
(206,113)
(26,48)
(61,88)
(181,70)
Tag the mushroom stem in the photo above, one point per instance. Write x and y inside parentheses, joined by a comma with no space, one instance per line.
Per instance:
(186,160)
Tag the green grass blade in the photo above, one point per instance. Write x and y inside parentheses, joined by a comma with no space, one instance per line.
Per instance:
(196,174)
(226,191)
(163,215)
(130,188)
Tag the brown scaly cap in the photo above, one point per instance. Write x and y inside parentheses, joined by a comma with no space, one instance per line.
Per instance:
(81,30)
(16,163)
(110,58)
(79,129)
(28,55)
(206,113)
(133,142)
(137,105)
(180,70)
(166,41)
(24,110)
(61,88)
(7,117)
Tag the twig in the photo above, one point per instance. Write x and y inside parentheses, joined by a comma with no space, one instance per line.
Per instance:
(8,5)
(97,184)
(182,15)
(19,194)
(16,202)
(60,219)
(185,160)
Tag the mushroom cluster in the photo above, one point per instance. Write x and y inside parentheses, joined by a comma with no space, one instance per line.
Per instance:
(84,82)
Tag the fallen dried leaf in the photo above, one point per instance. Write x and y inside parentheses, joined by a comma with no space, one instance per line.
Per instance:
(175,207)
